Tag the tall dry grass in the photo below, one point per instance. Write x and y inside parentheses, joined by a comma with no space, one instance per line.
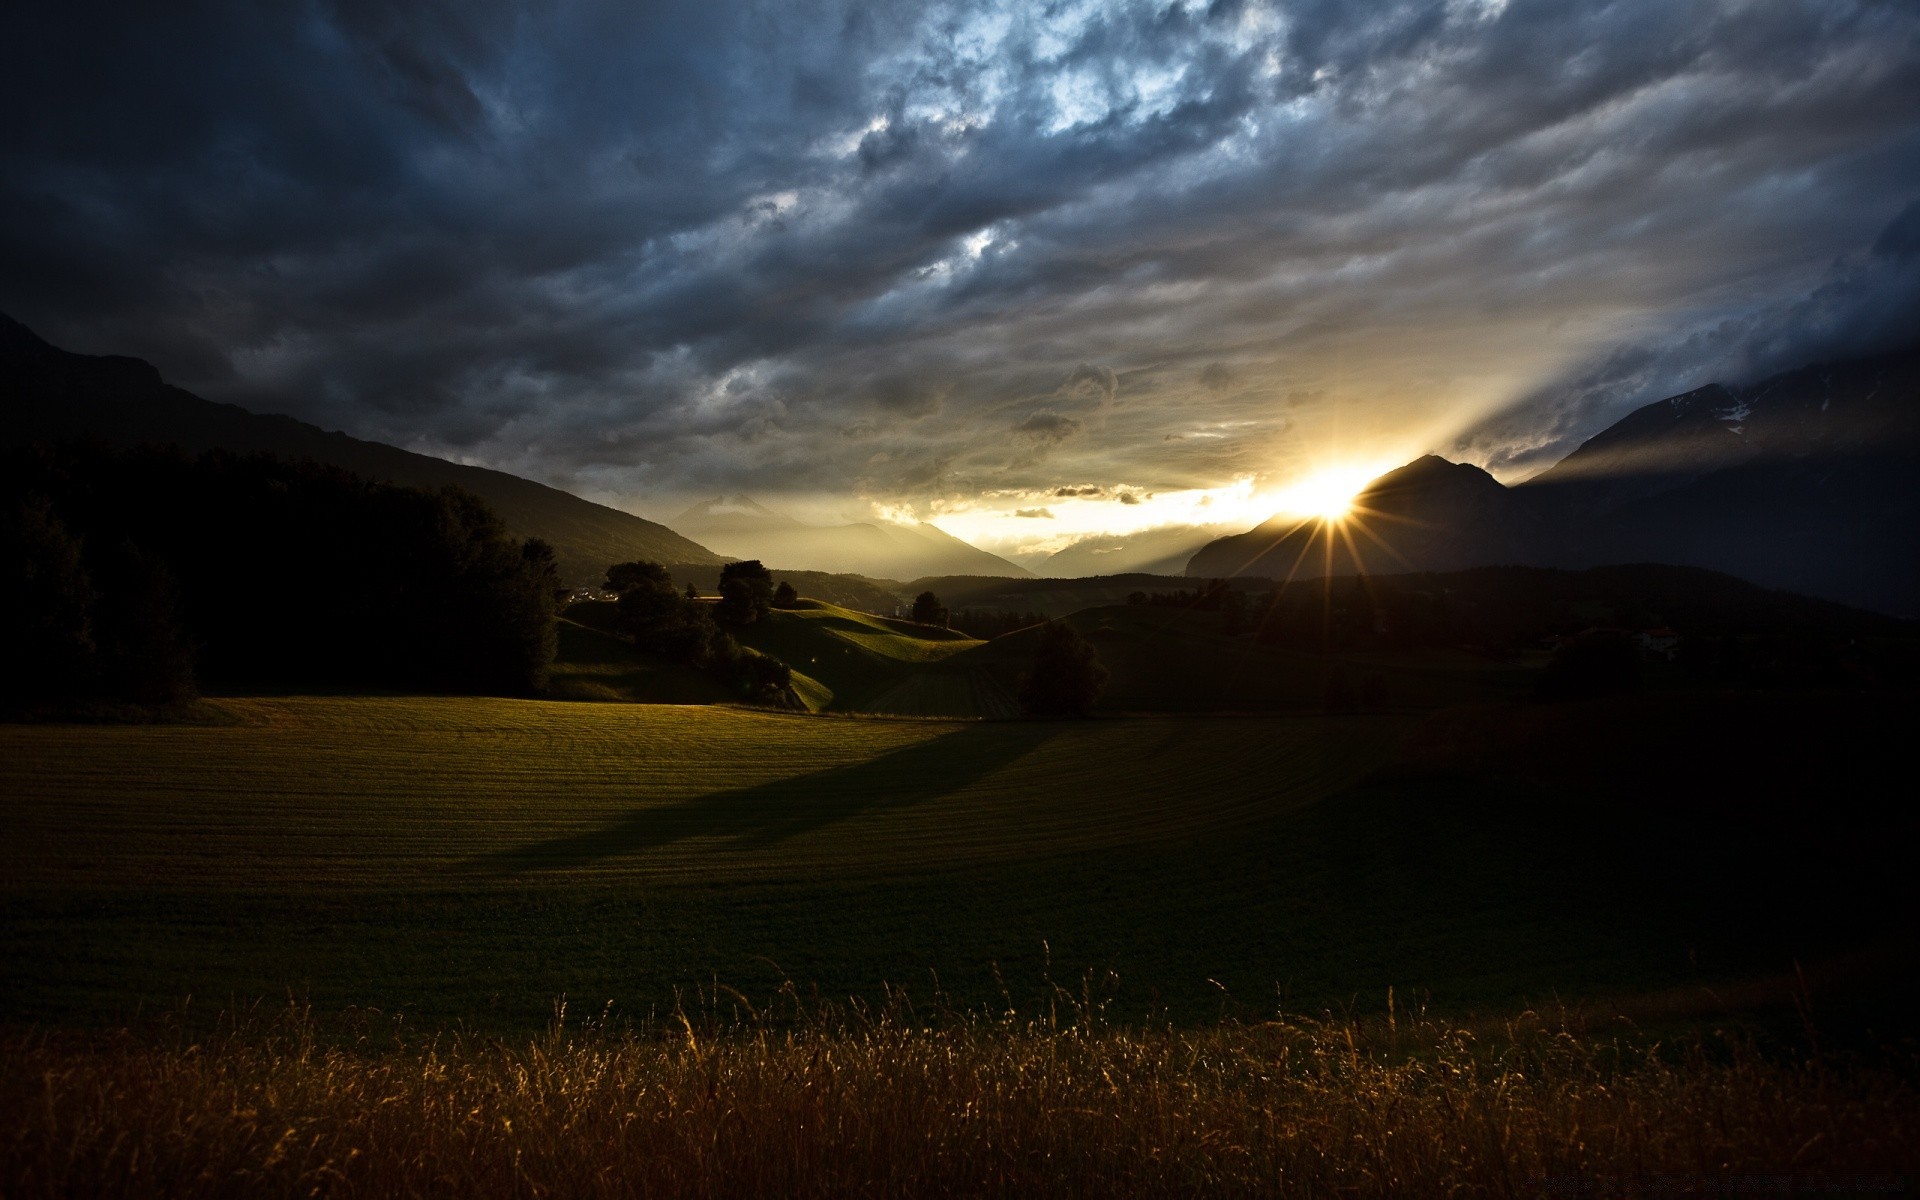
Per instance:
(854,1104)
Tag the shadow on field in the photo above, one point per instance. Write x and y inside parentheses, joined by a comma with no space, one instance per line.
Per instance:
(769,813)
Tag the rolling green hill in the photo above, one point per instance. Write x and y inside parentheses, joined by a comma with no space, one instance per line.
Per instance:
(593,664)
(850,659)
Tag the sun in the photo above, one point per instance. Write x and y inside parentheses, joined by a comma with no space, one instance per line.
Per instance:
(1326,494)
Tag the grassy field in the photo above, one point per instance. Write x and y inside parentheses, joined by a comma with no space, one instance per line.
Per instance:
(470,860)
(346,945)
(1059,1105)
(428,852)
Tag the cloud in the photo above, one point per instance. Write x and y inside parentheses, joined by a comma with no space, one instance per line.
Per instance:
(687,246)
(1866,303)
(1048,428)
(1039,514)
(1097,384)
(1216,377)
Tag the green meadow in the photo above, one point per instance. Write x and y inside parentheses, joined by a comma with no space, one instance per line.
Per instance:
(473,860)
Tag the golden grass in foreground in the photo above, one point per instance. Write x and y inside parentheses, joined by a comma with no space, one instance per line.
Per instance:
(883,1107)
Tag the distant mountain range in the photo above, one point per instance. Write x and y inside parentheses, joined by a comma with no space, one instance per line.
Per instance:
(1162,551)
(743,528)
(1808,481)
(49,394)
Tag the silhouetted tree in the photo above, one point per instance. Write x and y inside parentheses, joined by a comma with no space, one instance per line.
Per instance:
(46,604)
(693,590)
(1066,676)
(630,576)
(784,596)
(247,569)
(927,610)
(659,619)
(746,593)
(144,653)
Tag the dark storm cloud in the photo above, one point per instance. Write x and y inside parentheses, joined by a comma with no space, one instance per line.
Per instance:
(916,249)
(1048,428)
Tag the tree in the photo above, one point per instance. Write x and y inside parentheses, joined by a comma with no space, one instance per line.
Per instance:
(784,596)
(659,619)
(927,609)
(48,602)
(693,590)
(746,593)
(1066,676)
(625,577)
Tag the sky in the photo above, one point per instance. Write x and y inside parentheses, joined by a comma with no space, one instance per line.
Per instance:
(1033,271)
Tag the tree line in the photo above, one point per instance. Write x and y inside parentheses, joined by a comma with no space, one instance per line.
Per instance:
(136,576)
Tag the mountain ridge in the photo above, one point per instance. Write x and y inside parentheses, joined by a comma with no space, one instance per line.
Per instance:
(1808,479)
(743,527)
(52,394)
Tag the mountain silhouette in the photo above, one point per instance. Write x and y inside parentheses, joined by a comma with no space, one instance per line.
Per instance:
(52,395)
(1808,480)
(1430,515)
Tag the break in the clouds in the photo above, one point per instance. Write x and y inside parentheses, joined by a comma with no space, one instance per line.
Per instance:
(922,254)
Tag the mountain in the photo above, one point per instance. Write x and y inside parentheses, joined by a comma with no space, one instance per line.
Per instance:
(1149,551)
(1808,480)
(1430,515)
(744,528)
(49,394)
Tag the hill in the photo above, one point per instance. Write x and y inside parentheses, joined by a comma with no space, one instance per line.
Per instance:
(1391,642)
(1808,480)
(51,395)
(843,660)
(592,663)
(1049,597)
(744,528)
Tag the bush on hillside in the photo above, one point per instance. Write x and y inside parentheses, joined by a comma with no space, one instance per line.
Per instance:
(927,610)
(680,628)
(1066,677)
